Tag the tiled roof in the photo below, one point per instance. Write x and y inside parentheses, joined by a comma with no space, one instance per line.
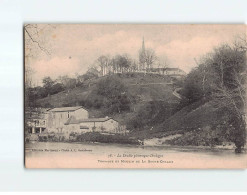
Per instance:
(65,109)
(73,120)
(94,120)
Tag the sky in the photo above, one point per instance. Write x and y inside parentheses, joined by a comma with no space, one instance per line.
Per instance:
(69,49)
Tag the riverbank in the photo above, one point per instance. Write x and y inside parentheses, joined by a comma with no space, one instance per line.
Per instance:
(178,140)
(99,155)
(164,142)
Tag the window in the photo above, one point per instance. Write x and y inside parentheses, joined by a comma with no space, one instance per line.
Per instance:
(68,114)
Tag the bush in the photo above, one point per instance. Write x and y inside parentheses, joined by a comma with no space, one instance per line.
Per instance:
(202,137)
(97,137)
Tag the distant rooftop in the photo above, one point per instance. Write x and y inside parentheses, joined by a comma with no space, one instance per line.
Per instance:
(65,109)
(167,69)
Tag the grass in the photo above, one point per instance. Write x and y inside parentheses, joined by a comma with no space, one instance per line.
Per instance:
(144,87)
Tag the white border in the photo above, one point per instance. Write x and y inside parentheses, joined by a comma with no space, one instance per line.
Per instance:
(13,13)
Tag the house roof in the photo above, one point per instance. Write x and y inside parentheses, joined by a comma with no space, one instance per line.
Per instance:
(73,120)
(65,109)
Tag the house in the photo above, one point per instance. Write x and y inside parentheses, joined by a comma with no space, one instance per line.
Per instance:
(36,120)
(36,124)
(102,125)
(57,117)
(66,120)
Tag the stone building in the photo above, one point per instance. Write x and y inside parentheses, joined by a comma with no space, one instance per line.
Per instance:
(57,117)
(102,125)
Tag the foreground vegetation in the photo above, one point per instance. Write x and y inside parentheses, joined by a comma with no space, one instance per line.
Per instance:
(90,137)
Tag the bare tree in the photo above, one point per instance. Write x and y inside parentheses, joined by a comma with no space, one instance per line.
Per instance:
(150,58)
(34,44)
(225,70)
(104,63)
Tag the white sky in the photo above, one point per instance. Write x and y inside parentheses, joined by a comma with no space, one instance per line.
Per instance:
(73,47)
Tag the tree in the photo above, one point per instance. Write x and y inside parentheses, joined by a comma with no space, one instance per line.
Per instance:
(48,84)
(104,62)
(192,89)
(91,73)
(122,63)
(221,77)
(113,95)
(150,58)
(34,45)
(133,66)
(163,62)
(229,68)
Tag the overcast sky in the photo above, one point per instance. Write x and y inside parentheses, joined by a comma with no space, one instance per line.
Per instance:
(73,48)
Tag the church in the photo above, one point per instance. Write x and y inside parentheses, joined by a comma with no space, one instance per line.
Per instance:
(146,64)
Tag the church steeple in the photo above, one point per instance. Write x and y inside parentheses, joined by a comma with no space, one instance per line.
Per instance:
(143,45)
(142,55)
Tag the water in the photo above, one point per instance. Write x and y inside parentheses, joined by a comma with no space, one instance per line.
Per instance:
(98,155)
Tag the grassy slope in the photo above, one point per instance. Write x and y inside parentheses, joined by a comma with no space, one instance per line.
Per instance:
(146,88)
(191,118)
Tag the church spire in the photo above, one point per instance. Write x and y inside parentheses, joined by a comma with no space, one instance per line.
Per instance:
(143,44)
(142,55)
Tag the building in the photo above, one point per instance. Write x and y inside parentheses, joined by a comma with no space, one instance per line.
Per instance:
(66,120)
(57,117)
(101,125)
(172,72)
(145,68)
(36,120)
(36,124)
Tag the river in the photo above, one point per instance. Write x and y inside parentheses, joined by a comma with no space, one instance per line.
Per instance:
(99,155)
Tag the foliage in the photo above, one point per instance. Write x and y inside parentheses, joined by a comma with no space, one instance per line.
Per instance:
(150,114)
(48,83)
(221,77)
(113,95)
(104,138)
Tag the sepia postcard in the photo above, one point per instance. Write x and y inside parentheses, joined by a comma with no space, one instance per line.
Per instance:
(135,96)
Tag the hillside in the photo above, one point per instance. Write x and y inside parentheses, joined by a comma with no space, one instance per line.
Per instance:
(152,111)
(144,88)
(200,123)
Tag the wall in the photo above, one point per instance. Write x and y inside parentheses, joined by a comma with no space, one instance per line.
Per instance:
(81,114)
(108,126)
(56,120)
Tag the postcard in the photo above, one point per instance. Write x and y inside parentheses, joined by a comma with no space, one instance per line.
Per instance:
(135,96)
